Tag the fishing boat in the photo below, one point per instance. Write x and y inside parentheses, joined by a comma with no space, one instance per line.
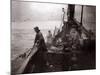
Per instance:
(60,58)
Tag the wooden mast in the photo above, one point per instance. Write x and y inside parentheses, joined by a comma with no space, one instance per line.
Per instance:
(81,16)
(71,11)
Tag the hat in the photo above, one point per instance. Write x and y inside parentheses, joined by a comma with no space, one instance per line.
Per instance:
(36,28)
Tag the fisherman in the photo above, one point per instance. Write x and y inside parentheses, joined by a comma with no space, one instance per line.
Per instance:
(64,19)
(64,16)
(49,38)
(39,42)
(74,38)
(39,39)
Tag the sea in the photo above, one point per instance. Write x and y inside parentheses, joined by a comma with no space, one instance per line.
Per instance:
(23,34)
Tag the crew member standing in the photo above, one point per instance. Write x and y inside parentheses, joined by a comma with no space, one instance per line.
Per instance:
(64,23)
(49,38)
(64,16)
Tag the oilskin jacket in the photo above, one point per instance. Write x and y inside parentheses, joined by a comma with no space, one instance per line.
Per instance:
(39,40)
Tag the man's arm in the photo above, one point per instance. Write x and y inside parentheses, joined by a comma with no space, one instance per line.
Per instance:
(36,39)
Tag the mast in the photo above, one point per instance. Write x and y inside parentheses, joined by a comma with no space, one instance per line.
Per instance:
(71,11)
(81,16)
(81,23)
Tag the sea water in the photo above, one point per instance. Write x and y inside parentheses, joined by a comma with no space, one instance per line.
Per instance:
(23,34)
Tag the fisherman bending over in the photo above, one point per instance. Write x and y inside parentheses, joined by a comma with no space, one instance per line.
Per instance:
(41,49)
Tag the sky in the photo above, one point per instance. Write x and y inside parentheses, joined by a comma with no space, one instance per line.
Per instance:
(32,11)
(24,11)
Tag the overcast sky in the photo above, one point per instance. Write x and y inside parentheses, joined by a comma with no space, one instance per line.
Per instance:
(30,11)
(33,11)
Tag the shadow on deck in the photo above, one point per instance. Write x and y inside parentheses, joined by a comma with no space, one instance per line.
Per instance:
(56,62)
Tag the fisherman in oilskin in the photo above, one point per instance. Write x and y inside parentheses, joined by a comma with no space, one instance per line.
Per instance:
(39,60)
(37,63)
